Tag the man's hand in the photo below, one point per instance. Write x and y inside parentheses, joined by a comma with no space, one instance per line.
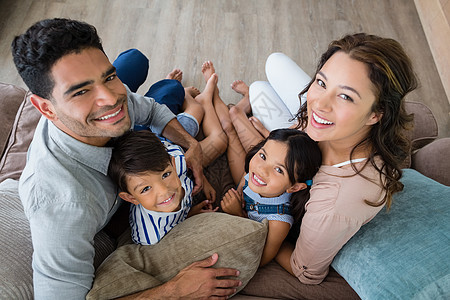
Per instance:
(194,161)
(199,281)
(194,155)
(196,281)
(209,191)
(232,203)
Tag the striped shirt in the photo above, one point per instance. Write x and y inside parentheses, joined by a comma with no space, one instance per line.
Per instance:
(148,227)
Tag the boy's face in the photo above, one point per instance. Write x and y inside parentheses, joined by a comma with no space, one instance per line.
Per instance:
(155,191)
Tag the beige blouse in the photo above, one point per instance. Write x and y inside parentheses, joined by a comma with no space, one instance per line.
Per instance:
(335,212)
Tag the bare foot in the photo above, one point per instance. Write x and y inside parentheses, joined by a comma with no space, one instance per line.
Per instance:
(176,74)
(208,92)
(240,87)
(192,90)
(208,70)
(259,126)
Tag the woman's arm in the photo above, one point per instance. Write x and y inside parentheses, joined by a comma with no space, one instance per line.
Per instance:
(278,231)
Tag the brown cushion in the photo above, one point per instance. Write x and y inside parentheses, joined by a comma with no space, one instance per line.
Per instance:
(272,281)
(14,157)
(425,126)
(433,160)
(11,97)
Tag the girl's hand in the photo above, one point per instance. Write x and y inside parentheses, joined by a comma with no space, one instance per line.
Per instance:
(232,203)
(202,207)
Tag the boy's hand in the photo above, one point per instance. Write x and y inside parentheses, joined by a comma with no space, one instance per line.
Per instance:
(202,207)
(209,191)
(232,203)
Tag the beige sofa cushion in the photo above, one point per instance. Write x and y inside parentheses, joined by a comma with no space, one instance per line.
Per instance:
(132,268)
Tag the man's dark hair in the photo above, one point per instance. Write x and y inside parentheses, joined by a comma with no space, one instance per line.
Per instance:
(134,153)
(43,44)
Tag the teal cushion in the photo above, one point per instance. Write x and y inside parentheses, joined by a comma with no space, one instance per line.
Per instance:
(403,253)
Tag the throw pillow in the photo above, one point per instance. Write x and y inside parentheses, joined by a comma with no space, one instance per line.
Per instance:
(239,243)
(403,253)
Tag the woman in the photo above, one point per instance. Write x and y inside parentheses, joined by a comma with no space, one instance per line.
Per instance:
(355,109)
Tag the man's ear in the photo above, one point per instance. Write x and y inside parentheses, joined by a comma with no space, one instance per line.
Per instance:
(44,106)
(297,187)
(128,197)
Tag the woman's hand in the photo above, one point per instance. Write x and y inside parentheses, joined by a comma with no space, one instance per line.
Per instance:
(232,203)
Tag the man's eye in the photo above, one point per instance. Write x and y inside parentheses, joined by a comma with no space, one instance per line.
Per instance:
(111,77)
(79,93)
(147,188)
(165,175)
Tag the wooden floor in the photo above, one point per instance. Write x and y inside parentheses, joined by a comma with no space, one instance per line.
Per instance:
(237,35)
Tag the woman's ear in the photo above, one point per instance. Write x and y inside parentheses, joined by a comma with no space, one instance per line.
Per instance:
(44,106)
(128,197)
(297,187)
(374,118)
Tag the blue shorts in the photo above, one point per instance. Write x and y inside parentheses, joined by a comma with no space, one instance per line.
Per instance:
(189,123)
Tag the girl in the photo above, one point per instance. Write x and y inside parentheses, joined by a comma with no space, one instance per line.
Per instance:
(355,110)
(275,184)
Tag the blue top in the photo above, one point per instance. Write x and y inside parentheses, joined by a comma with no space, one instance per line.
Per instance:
(68,198)
(273,209)
(148,227)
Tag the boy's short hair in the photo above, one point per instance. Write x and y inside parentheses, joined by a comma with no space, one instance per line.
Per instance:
(134,153)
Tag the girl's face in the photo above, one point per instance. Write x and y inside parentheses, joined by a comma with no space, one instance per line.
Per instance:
(268,175)
(340,102)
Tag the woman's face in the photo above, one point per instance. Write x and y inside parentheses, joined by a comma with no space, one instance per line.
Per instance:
(340,102)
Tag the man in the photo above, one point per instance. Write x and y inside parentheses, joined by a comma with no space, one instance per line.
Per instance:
(66,193)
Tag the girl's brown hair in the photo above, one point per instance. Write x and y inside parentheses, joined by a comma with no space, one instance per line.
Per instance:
(391,73)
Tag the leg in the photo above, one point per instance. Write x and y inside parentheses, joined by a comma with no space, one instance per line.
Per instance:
(268,107)
(169,92)
(240,87)
(287,79)
(215,141)
(132,68)
(248,135)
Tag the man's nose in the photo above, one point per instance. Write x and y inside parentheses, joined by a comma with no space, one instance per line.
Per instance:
(105,96)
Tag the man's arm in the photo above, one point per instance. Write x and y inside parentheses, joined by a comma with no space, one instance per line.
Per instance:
(196,281)
(194,155)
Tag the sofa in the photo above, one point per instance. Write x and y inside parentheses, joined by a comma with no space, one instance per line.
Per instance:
(400,254)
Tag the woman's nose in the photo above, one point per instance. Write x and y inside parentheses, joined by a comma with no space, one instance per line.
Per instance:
(323,101)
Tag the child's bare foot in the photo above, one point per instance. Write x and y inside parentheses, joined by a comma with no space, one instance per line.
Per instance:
(208,70)
(176,74)
(192,90)
(208,92)
(259,126)
(240,87)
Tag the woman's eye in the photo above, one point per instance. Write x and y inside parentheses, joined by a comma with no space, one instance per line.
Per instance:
(262,156)
(346,97)
(166,174)
(147,188)
(320,83)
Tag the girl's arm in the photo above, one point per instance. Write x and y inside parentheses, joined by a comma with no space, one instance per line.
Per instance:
(278,230)
(233,201)
(283,257)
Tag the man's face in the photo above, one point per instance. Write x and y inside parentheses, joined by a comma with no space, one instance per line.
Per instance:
(89,102)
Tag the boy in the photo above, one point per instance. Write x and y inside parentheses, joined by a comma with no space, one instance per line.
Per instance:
(152,175)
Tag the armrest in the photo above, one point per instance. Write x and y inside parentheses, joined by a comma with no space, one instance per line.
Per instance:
(433,161)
